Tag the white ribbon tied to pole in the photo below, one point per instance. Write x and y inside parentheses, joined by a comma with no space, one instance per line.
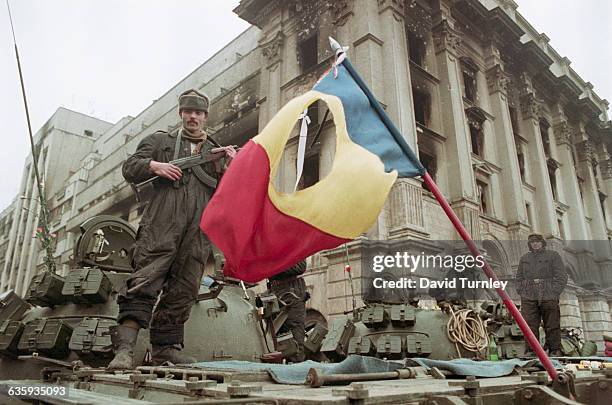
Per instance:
(340,54)
(302,146)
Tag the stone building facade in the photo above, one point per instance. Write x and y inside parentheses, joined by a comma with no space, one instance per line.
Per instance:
(516,140)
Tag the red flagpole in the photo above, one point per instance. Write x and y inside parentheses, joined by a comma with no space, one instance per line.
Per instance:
(531,339)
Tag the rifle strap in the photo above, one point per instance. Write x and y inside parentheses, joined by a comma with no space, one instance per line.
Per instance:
(177,145)
(177,150)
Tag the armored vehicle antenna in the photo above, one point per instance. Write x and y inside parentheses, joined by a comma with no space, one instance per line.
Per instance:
(43,234)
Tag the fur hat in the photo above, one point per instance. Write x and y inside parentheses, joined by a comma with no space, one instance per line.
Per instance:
(194,100)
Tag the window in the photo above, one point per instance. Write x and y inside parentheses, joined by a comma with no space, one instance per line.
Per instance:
(594,165)
(416,48)
(581,189)
(553,182)
(310,175)
(545,139)
(469,83)
(561,229)
(529,215)
(422,103)
(520,156)
(314,113)
(88,132)
(477,139)
(513,120)
(308,53)
(483,198)
(602,201)
(429,162)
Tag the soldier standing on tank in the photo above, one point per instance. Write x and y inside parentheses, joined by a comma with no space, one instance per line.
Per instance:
(290,289)
(540,280)
(170,250)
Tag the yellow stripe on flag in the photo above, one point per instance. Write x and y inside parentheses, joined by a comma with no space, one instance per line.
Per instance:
(348,200)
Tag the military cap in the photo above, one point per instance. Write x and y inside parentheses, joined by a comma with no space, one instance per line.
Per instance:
(194,100)
(535,237)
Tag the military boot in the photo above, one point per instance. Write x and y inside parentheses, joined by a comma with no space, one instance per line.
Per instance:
(124,340)
(170,353)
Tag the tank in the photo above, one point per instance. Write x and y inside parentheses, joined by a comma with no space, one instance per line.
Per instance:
(57,337)
(67,318)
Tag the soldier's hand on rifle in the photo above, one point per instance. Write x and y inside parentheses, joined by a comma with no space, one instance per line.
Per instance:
(165,170)
(230,152)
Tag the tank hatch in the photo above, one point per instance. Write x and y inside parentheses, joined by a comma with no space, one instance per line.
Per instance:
(105,242)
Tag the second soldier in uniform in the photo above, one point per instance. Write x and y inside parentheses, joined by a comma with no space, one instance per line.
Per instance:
(290,289)
(540,279)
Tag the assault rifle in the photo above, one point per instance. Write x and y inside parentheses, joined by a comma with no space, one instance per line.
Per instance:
(183,164)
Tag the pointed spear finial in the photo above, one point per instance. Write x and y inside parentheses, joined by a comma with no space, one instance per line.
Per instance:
(335,46)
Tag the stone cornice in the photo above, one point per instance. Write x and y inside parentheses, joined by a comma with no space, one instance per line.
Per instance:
(561,208)
(256,11)
(585,151)
(605,167)
(341,10)
(397,6)
(475,116)
(272,48)
(552,164)
(497,79)
(562,133)
(446,38)
(501,23)
(530,106)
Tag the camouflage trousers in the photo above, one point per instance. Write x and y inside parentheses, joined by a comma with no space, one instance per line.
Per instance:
(168,258)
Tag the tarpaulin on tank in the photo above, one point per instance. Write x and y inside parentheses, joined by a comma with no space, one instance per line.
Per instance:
(296,373)
(463,367)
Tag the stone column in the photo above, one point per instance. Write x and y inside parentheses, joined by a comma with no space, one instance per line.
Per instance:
(35,245)
(405,203)
(544,204)
(570,309)
(396,72)
(7,270)
(29,241)
(272,49)
(605,167)
(21,214)
(446,41)
(12,237)
(595,318)
(461,191)
(586,158)
(510,178)
(366,37)
(577,229)
(341,12)
(367,50)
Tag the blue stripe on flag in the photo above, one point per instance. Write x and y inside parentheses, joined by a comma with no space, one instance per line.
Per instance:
(367,123)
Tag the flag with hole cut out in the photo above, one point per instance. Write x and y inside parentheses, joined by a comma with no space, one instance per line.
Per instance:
(262,231)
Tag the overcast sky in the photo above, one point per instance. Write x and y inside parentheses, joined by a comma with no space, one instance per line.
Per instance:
(112,58)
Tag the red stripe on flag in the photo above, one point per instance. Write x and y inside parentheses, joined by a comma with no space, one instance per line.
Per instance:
(256,238)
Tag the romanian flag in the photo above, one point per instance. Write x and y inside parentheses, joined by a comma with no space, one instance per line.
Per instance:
(262,231)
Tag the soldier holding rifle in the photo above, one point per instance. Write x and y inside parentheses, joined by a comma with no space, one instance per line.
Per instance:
(170,250)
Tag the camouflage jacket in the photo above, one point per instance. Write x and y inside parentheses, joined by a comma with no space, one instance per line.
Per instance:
(541,275)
